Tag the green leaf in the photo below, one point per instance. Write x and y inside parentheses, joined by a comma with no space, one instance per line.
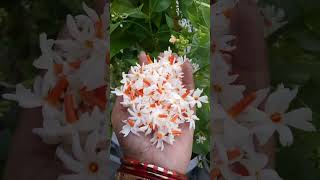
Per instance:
(121,6)
(114,26)
(205,12)
(201,148)
(137,13)
(186,2)
(116,44)
(169,21)
(159,5)
(157,19)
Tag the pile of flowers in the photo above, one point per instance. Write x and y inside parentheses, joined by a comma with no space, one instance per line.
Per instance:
(72,94)
(157,101)
(241,122)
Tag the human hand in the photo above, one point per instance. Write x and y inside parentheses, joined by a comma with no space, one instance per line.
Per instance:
(250,60)
(174,157)
(29,157)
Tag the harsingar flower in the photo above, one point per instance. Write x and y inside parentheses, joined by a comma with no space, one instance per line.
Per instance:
(201,139)
(87,163)
(277,119)
(274,19)
(157,101)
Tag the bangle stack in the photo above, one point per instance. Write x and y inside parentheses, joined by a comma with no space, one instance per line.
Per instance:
(132,169)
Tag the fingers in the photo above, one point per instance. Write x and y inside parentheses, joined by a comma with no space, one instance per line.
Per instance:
(250,49)
(249,59)
(118,109)
(143,58)
(187,79)
(117,104)
(120,112)
(186,69)
(188,82)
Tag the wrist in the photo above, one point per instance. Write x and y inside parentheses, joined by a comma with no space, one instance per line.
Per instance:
(179,166)
(135,169)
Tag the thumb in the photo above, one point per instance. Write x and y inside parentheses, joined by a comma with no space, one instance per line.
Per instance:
(143,59)
(187,79)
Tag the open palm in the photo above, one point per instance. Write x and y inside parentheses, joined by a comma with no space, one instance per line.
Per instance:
(175,157)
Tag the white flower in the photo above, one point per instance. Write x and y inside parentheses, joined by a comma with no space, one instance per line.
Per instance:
(187,50)
(197,99)
(72,94)
(88,33)
(224,7)
(273,19)
(224,92)
(100,23)
(201,139)
(49,56)
(277,119)
(220,23)
(236,118)
(57,129)
(130,126)
(221,163)
(157,101)
(93,79)
(26,98)
(158,139)
(219,63)
(256,167)
(88,163)
(185,23)
(190,117)
(195,67)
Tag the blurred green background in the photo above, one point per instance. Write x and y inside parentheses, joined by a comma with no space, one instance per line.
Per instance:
(21,22)
(294,53)
(147,25)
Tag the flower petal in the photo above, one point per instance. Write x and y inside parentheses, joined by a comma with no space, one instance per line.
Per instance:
(73,28)
(12,97)
(279,100)
(43,62)
(263,132)
(91,13)
(285,135)
(231,94)
(68,161)
(260,97)
(300,119)
(76,147)
(91,143)
(93,79)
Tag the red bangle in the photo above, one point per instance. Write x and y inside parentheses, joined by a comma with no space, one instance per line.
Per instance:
(142,173)
(150,171)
